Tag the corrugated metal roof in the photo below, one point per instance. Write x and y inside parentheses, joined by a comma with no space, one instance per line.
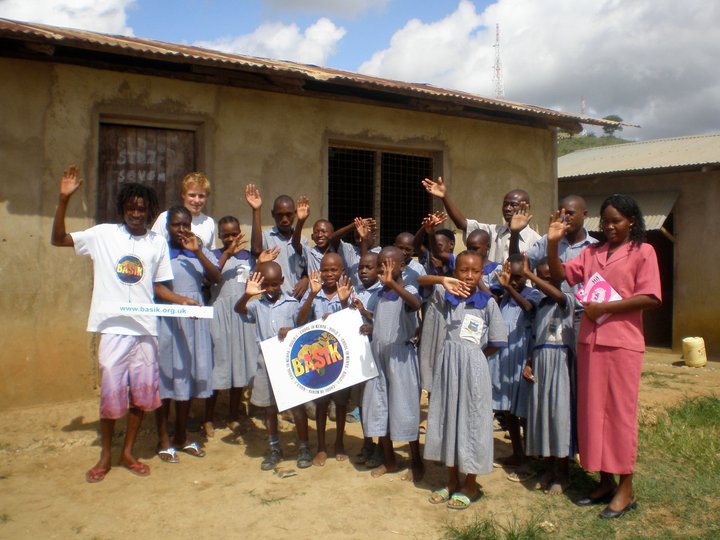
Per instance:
(172,52)
(698,150)
(654,205)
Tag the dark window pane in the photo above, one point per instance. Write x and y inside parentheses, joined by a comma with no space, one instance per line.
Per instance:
(350,184)
(404,202)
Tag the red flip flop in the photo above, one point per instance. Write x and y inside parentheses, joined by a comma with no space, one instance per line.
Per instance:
(95,475)
(139,469)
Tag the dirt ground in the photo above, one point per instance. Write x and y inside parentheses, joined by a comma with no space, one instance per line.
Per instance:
(45,451)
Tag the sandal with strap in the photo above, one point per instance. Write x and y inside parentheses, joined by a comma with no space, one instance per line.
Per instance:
(194,450)
(168,455)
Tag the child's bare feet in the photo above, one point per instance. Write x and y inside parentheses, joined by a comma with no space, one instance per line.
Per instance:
(340,454)
(415,473)
(384,469)
(320,459)
(557,487)
(544,481)
(209,429)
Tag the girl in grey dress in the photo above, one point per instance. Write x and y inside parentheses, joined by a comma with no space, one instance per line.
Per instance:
(185,359)
(549,418)
(460,431)
(235,348)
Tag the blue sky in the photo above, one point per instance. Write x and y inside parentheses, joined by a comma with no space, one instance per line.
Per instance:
(367,31)
(652,62)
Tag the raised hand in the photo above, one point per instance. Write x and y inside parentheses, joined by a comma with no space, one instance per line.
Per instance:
(436,188)
(253,286)
(526,265)
(558,226)
(252,196)
(386,271)
(189,241)
(438,217)
(456,287)
(268,255)
(315,283)
(344,289)
(237,244)
(302,208)
(504,276)
(521,217)
(70,181)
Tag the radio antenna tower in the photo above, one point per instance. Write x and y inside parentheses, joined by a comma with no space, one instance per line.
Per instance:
(497,70)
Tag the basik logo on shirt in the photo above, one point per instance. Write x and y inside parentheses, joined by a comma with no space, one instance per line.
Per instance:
(129,270)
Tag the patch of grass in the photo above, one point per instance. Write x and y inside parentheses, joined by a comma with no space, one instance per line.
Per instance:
(656,380)
(489,528)
(4,518)
(676,482)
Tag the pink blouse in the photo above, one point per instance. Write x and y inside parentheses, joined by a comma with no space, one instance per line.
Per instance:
(631,271)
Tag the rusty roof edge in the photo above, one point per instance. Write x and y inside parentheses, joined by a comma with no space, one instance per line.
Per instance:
(165,50)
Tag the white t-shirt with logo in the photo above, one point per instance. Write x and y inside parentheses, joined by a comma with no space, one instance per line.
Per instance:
(125,268)
(202,226)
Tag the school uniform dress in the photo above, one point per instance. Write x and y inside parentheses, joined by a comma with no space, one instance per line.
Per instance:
(432,333)
(412,271)
(369,298)
(291,263)
(185,343)
(566,252)
(460,416)
(610,357)
(550,400)
(391,401)
(235,348)
(506,365)
(490,278)
(269,318)
(312,257)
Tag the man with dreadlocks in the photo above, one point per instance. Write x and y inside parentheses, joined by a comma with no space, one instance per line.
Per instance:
(129,262)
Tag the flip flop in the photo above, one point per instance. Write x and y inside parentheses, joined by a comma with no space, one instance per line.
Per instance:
(460,501)
(95,475)
(168,455)
(440,496)
(139,469)
(193,449)
(521,476)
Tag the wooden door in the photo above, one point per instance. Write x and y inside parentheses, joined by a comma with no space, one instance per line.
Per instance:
(155,157)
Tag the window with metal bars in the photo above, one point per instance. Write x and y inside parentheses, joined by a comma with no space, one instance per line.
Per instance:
(379,184)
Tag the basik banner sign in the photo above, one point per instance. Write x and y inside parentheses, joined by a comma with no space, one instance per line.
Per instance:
(318,359)
(157,310)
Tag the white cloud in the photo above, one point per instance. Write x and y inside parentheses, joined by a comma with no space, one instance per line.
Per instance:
(651,62)
(349,8)
(106,16)
(276,40)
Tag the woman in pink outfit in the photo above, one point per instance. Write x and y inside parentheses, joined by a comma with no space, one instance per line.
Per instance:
(610,346)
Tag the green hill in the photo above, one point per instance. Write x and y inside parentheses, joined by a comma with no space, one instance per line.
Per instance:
(571,144)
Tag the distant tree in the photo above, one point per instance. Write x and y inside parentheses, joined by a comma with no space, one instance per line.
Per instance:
(610,130)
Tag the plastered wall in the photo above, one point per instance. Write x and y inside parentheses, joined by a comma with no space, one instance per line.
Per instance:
(51,115)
